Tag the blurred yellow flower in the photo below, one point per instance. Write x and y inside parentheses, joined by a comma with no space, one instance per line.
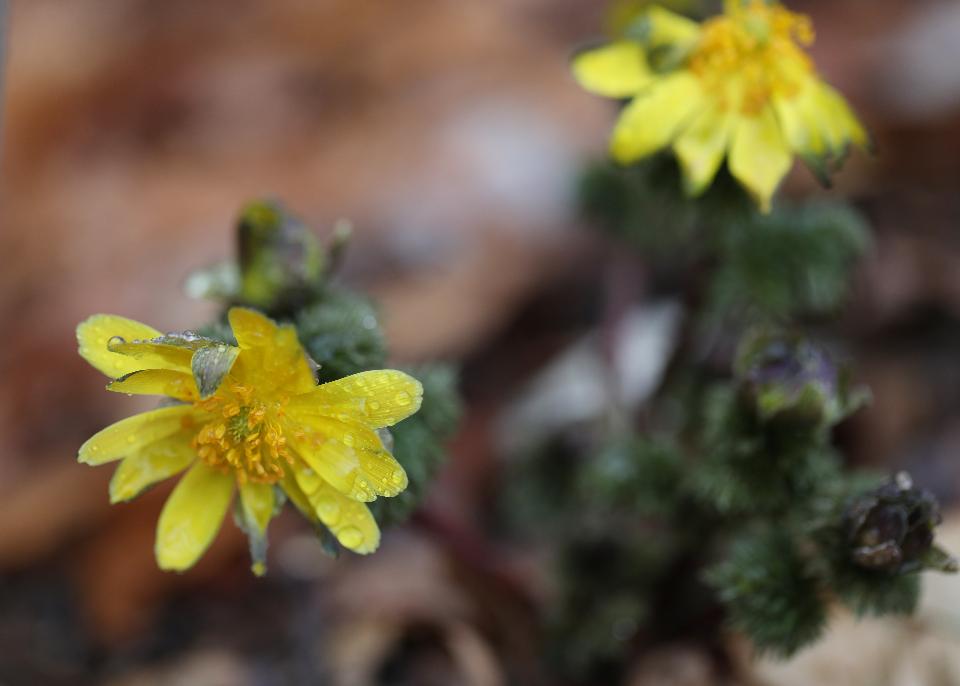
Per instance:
(248,418)
(738,85)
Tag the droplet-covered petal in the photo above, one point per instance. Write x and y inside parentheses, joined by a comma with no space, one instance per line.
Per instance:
(376,398)
(350,521)
(617,70)
(162,352)
(94,333)
(759,156)
(166,382)
(192,516)
(151,464)
(651,121)
(350,457)
(271,356)
(130,435)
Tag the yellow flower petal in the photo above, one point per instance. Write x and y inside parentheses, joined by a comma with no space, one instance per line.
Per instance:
(192,516)
(837,120)
(654,117)
(759,156)
(165,382)
(348,520)
(271,354)
(251,328)
(154,354)
(130,435)
(296,496)
(701,147)
(153,463)
(617,70)
(669,28)
(377,398)
(258,502)
(350,457)
(94,333)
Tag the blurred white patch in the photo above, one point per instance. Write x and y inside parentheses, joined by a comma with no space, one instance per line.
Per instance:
(924,63)
(505,166)
(523,162)
(577,387)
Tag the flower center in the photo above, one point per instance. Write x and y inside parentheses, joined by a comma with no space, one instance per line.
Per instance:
(243,436)
(750,54)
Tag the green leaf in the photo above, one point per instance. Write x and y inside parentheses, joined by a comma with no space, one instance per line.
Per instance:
(770,592)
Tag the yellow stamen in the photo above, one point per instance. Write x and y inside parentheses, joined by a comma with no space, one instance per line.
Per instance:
(750,54)
(250,443)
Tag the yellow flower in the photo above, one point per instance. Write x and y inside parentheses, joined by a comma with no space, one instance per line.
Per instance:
(739,85)
(248,418)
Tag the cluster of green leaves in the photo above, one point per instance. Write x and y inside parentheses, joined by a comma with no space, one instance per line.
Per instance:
(285,271)
(735,504)
(793,262)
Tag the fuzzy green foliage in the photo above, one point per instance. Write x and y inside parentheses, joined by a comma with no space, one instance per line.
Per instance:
(749,466)
(637,474)
(769,592)
(641,204)
(793,261)
(540,499)
(340,329)
(740,486)
(603,602)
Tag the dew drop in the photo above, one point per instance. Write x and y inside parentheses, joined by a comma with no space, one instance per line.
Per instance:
(114,341)
(131,439)
(328,510)
(374,405)
(402,398)
(349,440)
(350,537)
(397,477)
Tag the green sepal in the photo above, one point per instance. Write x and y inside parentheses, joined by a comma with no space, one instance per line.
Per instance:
(210,365)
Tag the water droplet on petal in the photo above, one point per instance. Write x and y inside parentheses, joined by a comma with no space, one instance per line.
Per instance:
(349,440)
(350,537)
(402,398)
(374,405)
(398,477)
(328,510)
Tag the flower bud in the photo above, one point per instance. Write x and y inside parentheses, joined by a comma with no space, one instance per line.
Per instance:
(280,259)
(891,529)
(789,378)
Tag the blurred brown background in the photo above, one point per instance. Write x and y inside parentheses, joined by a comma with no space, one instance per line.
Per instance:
(450,133)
